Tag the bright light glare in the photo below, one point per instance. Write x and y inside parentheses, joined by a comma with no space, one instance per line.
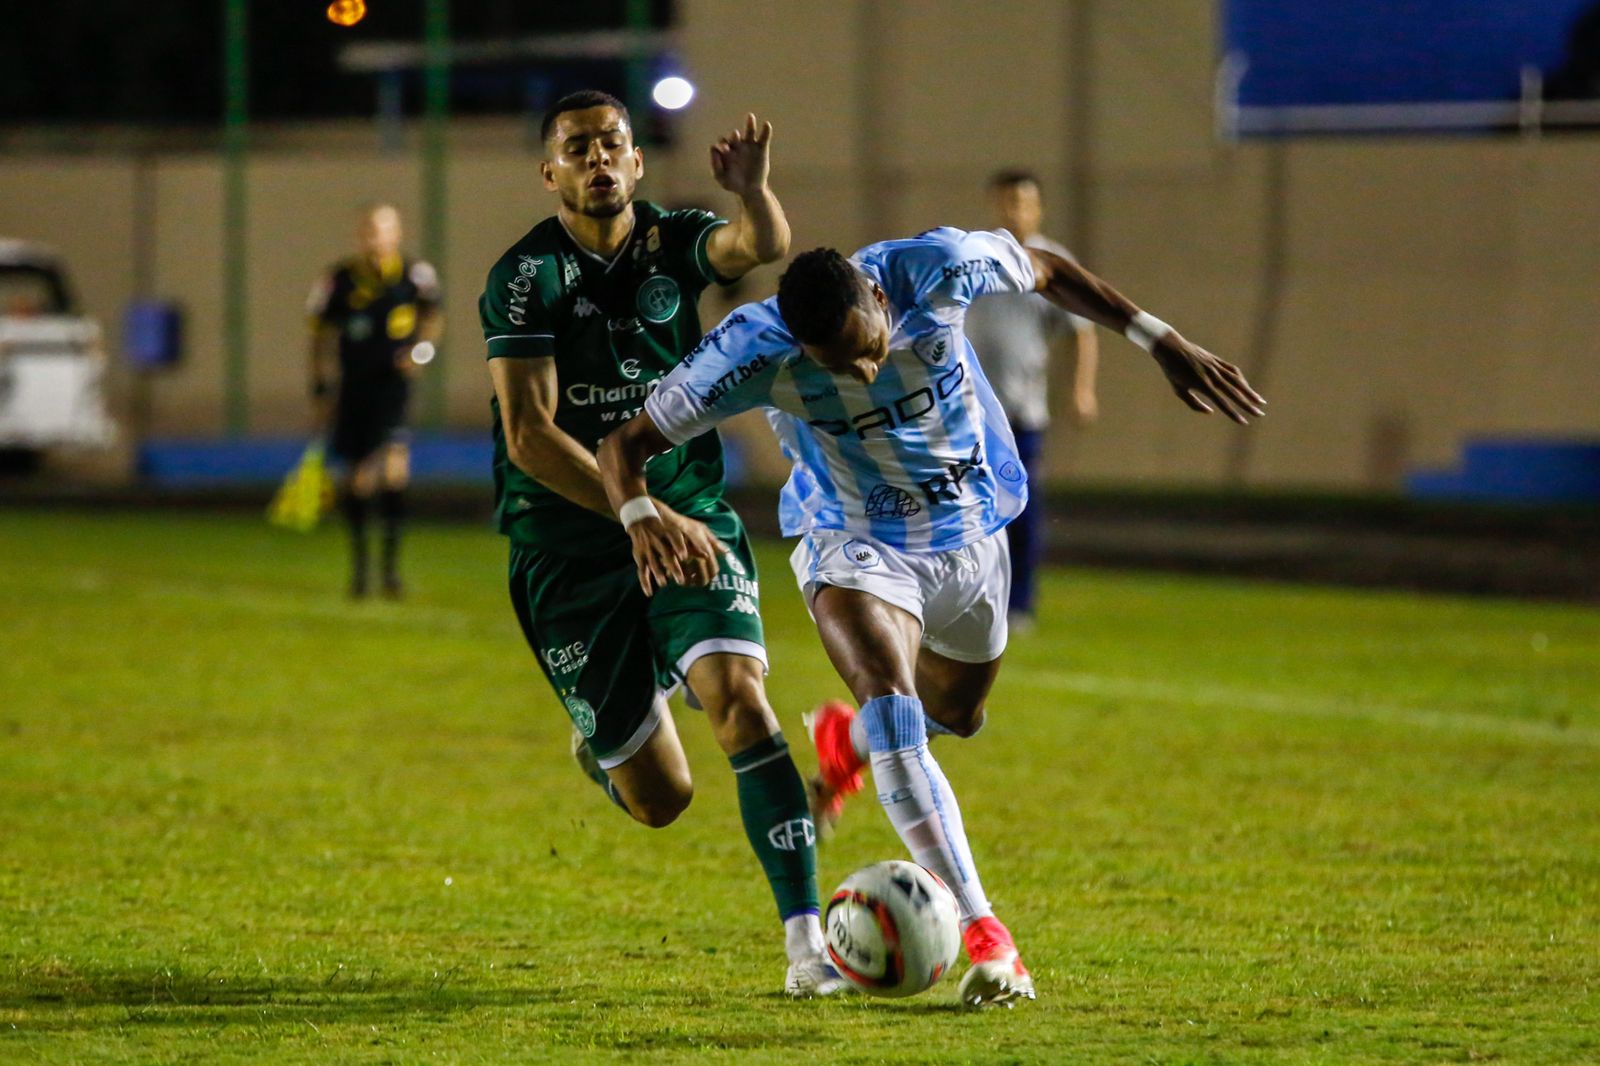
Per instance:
(422,353)
(673,93)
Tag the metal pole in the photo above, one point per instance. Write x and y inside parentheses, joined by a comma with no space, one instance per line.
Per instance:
(235,217)
(1081,129)
(637,92)
(435,190)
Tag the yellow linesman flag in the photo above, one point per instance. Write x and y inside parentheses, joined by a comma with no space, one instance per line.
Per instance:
(305,495)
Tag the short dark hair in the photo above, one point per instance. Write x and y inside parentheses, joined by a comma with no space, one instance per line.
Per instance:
(1012,177)
(816,293)
(581,100)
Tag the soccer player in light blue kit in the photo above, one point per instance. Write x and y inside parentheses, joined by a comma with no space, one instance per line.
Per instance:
(905,471)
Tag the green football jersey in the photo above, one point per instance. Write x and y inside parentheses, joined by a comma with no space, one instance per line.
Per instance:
(614,327)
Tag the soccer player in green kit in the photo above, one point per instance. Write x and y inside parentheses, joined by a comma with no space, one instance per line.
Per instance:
(581,316)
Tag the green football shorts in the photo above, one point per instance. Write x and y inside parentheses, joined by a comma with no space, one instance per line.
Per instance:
(609,650)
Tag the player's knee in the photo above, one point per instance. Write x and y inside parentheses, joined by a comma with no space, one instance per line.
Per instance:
(740,715)
(661,809)
(969,722)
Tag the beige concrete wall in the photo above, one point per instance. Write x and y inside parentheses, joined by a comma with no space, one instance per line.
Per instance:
(1433,288)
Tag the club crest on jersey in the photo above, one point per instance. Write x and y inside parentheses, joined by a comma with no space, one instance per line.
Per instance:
(659,299)
(862,554)
(581,713)
(935,348)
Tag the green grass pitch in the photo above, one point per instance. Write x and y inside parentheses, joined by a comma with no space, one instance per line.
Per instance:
(243,819)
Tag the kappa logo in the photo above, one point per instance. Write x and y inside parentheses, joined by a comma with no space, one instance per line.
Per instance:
(934,348)
(584,309)
(793,834)
(629,368)
(862,554)
(581,713)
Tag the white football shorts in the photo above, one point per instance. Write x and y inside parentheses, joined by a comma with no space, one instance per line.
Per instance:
(959,596)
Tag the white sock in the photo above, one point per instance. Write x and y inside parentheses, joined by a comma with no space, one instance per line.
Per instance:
(858,734)
(802,936)
(918,800)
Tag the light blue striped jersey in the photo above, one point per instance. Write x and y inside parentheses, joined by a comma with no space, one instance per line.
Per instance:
(923,458)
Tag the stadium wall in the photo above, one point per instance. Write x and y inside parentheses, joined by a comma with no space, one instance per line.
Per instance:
(1430,288)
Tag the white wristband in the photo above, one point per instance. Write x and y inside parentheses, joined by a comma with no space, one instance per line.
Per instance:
(635,509)
(1144,329)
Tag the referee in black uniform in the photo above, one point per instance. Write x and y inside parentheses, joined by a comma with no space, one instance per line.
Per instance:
(374,322)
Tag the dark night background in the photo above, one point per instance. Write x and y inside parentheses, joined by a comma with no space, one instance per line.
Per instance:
(160,61)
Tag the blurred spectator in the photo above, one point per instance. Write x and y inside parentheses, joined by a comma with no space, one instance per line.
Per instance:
(1013,336)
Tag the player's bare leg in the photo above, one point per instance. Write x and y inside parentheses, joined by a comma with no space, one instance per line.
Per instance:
(875,647)
(954,693)
(654,785)
(772,804)
(395,475)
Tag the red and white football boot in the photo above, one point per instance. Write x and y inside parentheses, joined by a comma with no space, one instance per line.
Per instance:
(839,766)
(997,977)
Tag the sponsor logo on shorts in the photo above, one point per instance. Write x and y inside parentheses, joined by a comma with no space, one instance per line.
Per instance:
(566,660)
(793,834)
(731,561)
(862,554)
(584,309)
(581,713)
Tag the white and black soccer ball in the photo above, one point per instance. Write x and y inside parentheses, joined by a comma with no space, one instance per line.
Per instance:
(893,929)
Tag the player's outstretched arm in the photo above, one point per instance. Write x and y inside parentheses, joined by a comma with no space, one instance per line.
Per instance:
(740,163)
(666,545)
(1200,379)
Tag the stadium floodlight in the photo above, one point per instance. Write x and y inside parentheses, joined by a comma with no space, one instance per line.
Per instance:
(672,93)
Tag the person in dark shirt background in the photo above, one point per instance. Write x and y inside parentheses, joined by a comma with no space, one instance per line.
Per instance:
(374,322)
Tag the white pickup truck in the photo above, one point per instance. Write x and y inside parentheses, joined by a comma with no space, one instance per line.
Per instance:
(52,364)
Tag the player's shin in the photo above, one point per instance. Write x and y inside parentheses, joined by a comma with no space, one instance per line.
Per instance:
(772,803)
(918,800)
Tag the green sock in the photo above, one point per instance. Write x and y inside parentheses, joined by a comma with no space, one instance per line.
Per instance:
(772,801)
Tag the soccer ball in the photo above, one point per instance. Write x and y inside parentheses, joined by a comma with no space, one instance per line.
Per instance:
(893,929)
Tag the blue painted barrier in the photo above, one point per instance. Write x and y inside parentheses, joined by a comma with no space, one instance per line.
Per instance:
(1527,470)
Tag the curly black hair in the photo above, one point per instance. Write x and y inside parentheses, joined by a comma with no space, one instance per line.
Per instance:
(816,293)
